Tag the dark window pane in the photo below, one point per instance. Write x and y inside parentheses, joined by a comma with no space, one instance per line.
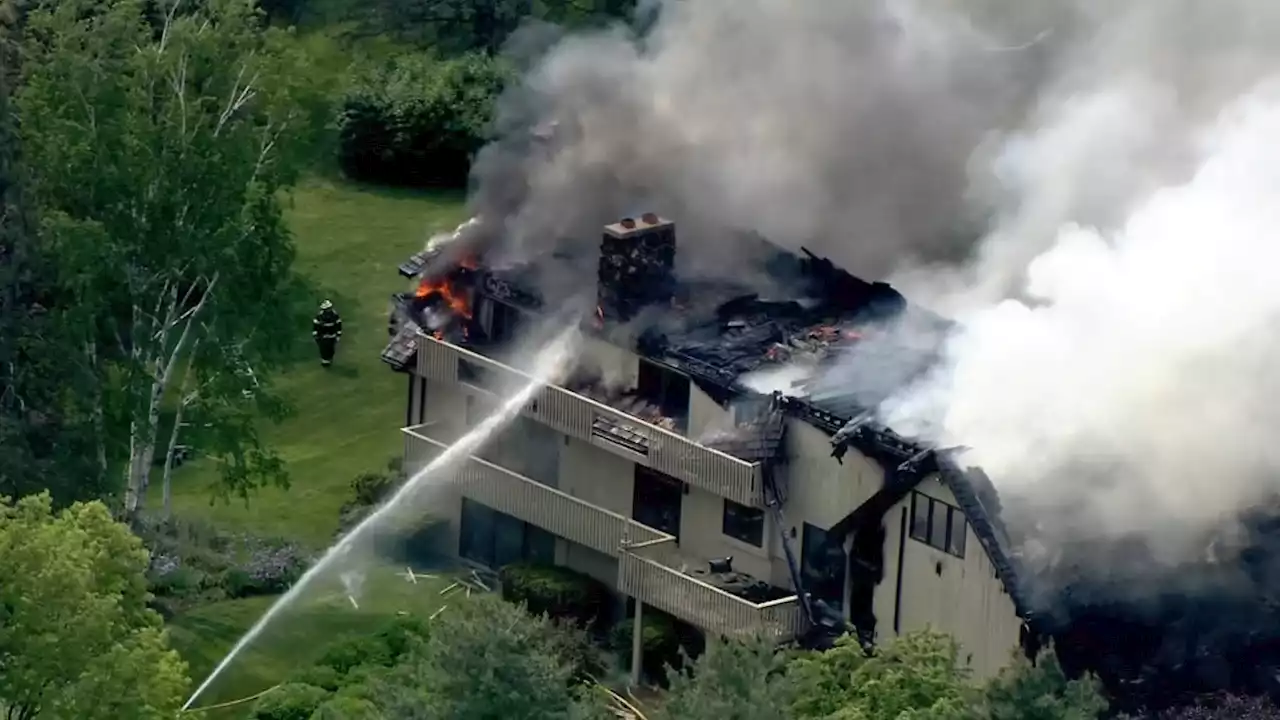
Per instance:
(938,524)
(743,523)
(475,540)
(508,540)
(919,517)
(539,545)
(957,533)
(822,566)
(656,500)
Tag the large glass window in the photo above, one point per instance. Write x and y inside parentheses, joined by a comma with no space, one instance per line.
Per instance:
(667,389)
(938,524)
(743,523)
(656,500)
(822,566)
(495,539)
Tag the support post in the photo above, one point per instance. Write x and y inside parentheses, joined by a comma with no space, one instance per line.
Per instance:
(637,644)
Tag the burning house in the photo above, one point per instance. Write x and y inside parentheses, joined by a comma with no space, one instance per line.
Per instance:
(666,468)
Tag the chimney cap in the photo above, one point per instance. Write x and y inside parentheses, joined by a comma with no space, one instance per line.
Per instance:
(628,226)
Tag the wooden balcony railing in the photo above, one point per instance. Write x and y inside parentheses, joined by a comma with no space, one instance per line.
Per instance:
(546,507)
(613,430)
(645,571)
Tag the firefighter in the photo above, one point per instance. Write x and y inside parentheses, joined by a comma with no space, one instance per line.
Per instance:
(326,328)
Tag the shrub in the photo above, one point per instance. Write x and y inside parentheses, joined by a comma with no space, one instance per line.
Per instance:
(383,648)
(557,592)
(664,642)
(418,120)
(347,708)
(294,701)
(192,563)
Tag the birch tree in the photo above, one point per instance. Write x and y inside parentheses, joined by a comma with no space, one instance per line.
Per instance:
(162,147)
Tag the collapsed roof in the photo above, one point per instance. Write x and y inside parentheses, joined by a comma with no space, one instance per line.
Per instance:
(827,353)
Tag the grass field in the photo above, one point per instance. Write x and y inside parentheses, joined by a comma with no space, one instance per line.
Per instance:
(295,639)
(350,240)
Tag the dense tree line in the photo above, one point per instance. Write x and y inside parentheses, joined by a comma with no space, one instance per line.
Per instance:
(149,290)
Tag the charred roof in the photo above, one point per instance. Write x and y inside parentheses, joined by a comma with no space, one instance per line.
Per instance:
(719,332)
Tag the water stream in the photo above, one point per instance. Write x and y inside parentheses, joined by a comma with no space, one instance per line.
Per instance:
(547,362)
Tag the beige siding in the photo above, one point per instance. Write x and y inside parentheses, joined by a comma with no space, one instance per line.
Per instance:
(960,597)
(587,561)
(446,403)
(820,491)
(702,536)
(596,476)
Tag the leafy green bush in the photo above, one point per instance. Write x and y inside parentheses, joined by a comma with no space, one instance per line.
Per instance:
(368,490)
(382,648)
(347,708)
(418,120)
(557,592)
(664,642)
(294,701)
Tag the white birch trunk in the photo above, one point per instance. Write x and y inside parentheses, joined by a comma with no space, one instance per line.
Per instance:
(142,437)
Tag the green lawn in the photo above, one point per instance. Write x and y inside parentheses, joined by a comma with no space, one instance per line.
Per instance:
(295,639)
(350,240)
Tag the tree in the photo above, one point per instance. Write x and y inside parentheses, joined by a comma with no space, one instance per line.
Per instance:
(162,152)
(733,681)
(914,677)
(46,444)
(1041,691)
(486,659)
(76,637)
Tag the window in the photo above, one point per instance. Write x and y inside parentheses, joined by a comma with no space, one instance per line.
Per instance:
(822,566)
(743,523)
(656,500)
(667,389)
(938,524)
(495,539)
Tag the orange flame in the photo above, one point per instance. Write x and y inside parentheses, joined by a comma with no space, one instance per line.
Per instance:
(452,296)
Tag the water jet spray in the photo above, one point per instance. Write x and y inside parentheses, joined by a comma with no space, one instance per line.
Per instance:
(548,362)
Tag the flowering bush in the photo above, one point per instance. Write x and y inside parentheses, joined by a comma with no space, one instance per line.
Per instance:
(193,563)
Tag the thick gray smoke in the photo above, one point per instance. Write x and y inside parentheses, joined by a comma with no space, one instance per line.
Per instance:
(843,126)
(1090,187)
(1116,373)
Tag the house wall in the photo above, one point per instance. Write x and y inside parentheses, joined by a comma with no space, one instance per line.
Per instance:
(928,588)
(706,415)
(820,490)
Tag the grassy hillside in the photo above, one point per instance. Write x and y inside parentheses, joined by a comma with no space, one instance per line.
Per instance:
(350,239)
(296,639)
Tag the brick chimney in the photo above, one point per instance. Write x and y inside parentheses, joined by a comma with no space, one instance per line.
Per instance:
(637,266)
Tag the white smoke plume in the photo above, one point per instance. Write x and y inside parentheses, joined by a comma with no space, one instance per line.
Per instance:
(1090,187)
(1117,368)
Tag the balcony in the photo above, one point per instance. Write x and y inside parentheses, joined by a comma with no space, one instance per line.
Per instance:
(648,563)
(612,430)
(521,497)
(651,572)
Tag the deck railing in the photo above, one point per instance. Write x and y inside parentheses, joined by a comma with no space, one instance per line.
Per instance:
(613,430)
(645,571)
(521,497)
